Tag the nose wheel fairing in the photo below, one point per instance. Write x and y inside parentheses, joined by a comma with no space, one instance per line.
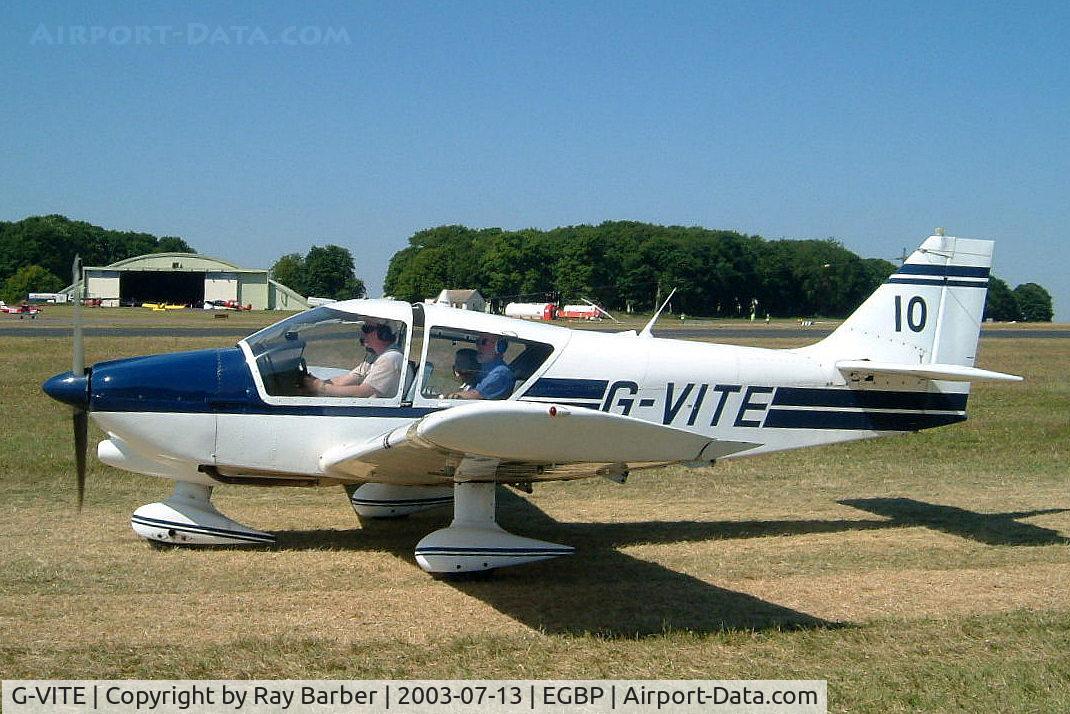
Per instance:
(189,518)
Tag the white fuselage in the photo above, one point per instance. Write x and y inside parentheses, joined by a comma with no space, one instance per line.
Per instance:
(726,392)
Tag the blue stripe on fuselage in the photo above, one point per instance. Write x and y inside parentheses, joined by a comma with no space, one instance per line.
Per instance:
(568,388)
(850,421)
(868,399)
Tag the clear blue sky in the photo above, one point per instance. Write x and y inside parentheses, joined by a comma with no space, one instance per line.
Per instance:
(244,129)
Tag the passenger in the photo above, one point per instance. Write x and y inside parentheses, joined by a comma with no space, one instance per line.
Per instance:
(466,369)
(375,377)
(495,379)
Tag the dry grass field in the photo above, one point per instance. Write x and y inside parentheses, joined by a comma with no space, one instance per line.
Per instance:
(925,572)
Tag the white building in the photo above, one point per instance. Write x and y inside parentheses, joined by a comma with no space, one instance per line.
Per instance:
(462,299)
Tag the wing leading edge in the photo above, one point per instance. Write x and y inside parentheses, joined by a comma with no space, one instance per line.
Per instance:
(526,441)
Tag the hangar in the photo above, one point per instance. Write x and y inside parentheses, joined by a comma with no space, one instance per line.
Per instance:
(185,279)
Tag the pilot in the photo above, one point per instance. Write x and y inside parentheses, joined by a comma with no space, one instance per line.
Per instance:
(375,377)
(495,380)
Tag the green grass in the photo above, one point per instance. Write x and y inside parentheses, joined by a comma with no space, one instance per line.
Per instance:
(925,572)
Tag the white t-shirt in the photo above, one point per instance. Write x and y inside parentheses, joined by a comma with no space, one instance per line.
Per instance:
(383,373)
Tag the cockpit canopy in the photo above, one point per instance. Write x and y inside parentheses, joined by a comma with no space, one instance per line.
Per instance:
(322,342)
(454,356)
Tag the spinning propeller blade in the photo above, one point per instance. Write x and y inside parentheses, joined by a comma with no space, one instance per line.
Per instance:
(78,351)
(81,438)
(81,416)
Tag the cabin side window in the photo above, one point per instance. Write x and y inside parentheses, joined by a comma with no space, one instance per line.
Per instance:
(463,364)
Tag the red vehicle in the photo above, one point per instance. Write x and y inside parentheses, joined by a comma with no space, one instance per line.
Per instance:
(579,312)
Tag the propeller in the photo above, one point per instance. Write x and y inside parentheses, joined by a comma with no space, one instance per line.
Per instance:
(80,420)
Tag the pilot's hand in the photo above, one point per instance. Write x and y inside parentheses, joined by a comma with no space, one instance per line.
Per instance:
(310,384)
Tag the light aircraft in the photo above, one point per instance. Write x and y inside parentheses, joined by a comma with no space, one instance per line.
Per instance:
(23,310)
(584,404)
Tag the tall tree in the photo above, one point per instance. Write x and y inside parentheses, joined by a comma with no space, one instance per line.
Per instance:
(328,272)
(30,279)
(171,244)
(290,271)
(1034,302)
(1001,304)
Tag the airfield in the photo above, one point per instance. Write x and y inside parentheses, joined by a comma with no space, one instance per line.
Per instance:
(922,572)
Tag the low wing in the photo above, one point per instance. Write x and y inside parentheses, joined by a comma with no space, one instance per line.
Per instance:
(520,442)
(948,372)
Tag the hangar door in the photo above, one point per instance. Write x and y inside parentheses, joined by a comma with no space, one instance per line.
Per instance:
(220,286)
(178,288)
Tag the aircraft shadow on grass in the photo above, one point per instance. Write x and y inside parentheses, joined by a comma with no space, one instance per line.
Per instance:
(988,528)
(605,592)
(599,590)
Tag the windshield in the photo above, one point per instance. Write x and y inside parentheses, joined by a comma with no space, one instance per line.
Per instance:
(297,355)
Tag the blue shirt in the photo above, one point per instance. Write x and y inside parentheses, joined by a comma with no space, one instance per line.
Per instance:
(496,380)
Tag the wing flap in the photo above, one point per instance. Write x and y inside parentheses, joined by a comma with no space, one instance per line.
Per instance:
(522,435)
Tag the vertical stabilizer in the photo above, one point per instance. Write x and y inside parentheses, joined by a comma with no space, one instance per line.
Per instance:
(929,311)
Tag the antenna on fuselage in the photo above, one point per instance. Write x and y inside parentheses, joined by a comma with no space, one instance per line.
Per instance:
(648,330)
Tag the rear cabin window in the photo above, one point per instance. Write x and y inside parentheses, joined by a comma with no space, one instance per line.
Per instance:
(462,364)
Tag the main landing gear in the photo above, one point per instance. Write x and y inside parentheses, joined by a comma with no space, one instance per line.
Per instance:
(189,518)
(474,541)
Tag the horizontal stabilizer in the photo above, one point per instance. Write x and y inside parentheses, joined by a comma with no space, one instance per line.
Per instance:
(948,372)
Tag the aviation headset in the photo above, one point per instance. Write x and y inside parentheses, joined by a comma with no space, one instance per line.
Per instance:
(382,331)
(500,346)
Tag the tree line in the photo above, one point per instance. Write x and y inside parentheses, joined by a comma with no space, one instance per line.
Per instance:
(36,253)
(625,265)
(622,265)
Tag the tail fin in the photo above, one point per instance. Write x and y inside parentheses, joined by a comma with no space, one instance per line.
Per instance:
(928,312)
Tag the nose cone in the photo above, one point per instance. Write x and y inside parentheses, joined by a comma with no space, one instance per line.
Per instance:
(69,388)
